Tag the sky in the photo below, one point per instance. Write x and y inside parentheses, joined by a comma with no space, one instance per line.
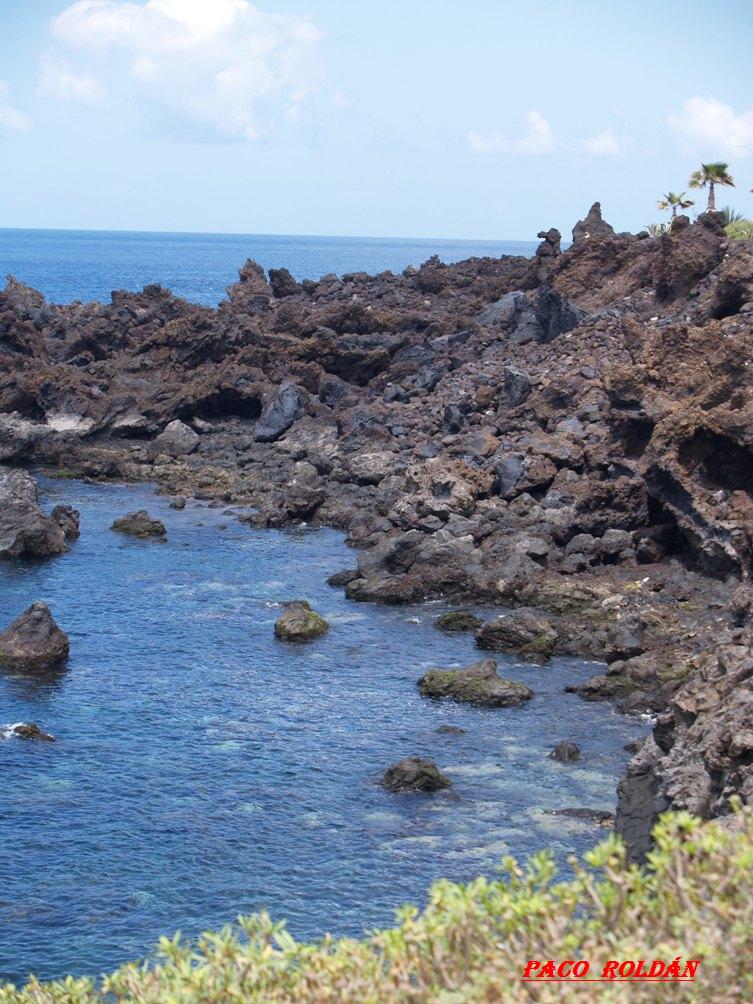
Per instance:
(482,119)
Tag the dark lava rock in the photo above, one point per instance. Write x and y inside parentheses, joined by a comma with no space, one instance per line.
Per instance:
(25,531)
(28,730)
(342,578)
(520,632)
(33,641)
(457,620)
(279,414)
(633,747)
(178,503)
(550,243)
(601,817)
(414,774)
(283,283)
(478,684)
(298,622)
(593,226)
(67,519)
(565,752)
(140,524)
(450,730)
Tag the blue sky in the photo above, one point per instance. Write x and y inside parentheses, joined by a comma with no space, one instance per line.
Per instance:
(482,119)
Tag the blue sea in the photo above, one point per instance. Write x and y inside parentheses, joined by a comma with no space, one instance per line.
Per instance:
(203,769)
(69,265)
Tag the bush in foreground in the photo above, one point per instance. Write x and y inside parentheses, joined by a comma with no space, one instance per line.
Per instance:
(740,230)
(471,943)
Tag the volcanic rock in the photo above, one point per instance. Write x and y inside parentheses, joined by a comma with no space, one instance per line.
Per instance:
(520,632)
(33,642)
(68,520)
(414,775)
(279,414)
(24,528)
(457,620)
(177,440)
(140,524)
(565,752)
(477,684)
(298,622)
(592,227)
(30,731)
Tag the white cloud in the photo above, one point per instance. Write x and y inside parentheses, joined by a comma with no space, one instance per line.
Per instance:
(58,80)
(538,139)
(10,117)
(711,128)
(224,65)
(604,144)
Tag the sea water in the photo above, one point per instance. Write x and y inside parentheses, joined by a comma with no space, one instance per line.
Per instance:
(203,769)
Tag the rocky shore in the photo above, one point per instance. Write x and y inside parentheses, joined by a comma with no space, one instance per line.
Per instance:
(569,437)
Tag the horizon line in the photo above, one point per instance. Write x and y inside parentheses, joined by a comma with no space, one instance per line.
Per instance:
(243,233)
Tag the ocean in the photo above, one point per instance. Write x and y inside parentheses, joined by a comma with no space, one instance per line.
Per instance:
(203,769)
(68,265)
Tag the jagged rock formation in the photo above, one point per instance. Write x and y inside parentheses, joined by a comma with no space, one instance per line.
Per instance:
(33,642)
(25,531)
(570,434)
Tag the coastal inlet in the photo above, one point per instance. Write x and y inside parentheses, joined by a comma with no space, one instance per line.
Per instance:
(202,768)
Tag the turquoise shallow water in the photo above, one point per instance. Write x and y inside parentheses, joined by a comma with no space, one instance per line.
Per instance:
(71,265)
(203,769)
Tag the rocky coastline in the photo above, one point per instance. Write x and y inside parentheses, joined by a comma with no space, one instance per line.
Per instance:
(569,437)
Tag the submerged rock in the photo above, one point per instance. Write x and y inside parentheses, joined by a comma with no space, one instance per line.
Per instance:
(450,730)
(30,731)
(33,641)
(601,817)
(478,684)
(414,774)
(520,632)
(298,622)
(565,752)
(457,620)
(140,524)
(25,531)
(178,503)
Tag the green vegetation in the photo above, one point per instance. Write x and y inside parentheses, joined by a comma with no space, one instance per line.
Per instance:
(674,201)
(657,229)
(709,176)
(740,230)
(730,215)
(471,943)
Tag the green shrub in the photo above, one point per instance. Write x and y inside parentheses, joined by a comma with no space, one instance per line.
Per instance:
(472,942)
(740,230)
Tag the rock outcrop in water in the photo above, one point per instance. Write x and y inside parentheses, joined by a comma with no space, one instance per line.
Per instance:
(140,524)
(33,642)
(570,436)
(298,622)
(25,531)
(478,684)
(414,775)
(30,732)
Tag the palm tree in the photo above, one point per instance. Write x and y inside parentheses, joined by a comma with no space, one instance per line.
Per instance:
(708,176)
(674,202)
